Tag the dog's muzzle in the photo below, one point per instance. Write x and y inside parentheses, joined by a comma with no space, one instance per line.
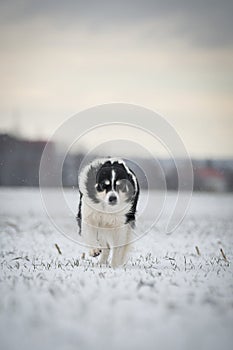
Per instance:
(112,199)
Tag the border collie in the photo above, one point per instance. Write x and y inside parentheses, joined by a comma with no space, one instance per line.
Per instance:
(109,193)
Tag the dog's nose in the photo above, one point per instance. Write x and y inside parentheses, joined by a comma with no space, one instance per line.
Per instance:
(112,199)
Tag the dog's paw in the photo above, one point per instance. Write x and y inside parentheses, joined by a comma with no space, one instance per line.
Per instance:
(94,252)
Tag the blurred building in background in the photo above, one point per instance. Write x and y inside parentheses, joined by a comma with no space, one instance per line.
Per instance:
(20,161)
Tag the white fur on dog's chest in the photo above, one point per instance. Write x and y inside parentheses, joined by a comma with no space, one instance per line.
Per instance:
(101,219)
(106,230)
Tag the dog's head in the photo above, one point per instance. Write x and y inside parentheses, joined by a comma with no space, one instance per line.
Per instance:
(110,184)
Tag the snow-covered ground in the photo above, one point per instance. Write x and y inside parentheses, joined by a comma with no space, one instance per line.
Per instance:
(176,292)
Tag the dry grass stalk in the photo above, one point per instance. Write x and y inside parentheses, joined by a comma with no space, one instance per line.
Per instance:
(58,249)
(197,250)
(223,254)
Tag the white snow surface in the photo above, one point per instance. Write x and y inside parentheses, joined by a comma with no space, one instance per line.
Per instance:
(166,297)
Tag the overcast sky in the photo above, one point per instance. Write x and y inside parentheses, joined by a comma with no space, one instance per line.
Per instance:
(176,57)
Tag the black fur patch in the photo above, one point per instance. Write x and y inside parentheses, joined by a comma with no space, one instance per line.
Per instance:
(90,184)
(79,215)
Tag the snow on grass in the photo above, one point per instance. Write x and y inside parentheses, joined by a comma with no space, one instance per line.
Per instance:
(176,291)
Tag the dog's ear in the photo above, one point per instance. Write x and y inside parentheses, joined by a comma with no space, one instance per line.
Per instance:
(122,185)
(91,182)
(79,214)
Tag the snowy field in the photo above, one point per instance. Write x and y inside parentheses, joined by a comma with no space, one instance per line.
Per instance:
(176,291)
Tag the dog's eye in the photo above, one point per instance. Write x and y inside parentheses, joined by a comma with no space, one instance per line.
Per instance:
(99,187)
(121,185)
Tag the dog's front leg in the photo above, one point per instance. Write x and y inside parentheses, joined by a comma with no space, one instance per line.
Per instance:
(121,246)
(119,256)
(90,236)
(104,256)
(116,257)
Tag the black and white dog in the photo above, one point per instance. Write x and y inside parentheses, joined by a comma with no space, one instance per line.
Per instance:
(109,193)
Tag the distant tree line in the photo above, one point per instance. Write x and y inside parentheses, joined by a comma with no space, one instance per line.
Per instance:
(20,161)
